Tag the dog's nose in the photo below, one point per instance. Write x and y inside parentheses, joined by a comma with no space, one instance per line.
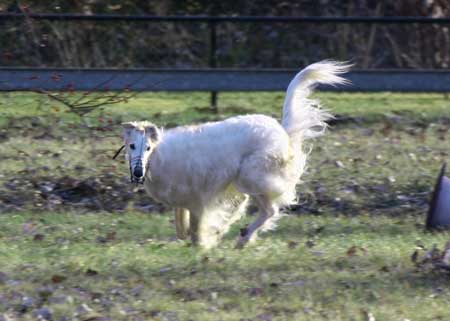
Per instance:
(138,172)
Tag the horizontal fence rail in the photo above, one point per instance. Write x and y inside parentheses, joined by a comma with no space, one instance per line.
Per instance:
(263,19)
(18,79)
(214,79)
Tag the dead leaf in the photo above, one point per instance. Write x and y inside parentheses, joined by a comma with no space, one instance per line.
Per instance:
(386,130)
(111,236)
(58,278)
(385,269)
(154,313)
(256,291)
(91,272)
(352,251)
(38,237)
(292,244)
(95,318)
(310,243)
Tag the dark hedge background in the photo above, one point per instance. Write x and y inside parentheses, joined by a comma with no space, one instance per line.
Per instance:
(185,45)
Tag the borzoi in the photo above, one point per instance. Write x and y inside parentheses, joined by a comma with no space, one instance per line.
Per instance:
(207,172)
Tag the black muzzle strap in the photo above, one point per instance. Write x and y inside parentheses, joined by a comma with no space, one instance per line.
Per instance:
(118,152)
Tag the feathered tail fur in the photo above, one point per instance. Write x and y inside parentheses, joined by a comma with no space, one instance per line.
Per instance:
(303,117)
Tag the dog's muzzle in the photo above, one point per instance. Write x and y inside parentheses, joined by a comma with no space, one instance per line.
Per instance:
(137,180)
(137,174)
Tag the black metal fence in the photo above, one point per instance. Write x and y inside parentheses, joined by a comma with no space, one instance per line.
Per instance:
(214,21)
(217,79)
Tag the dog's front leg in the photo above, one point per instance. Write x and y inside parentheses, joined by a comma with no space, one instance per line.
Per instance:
(182,223)
(201,233)
(196,227)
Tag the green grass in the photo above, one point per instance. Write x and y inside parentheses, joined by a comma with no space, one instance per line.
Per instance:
(300,272)
(367,185)
(182,108)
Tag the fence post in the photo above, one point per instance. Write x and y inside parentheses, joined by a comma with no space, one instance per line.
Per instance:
(212,58)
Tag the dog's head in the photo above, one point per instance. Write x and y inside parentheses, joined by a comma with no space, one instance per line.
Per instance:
(140,140)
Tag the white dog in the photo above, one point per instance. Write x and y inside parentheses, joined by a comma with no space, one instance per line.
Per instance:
(207,172)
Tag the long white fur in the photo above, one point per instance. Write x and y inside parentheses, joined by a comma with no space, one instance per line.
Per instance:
(302,115)
(211,169)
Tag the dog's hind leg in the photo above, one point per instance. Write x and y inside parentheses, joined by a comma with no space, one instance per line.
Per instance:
(182,223)
(268,211)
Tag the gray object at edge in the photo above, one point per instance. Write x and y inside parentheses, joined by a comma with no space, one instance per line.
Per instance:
(439,212)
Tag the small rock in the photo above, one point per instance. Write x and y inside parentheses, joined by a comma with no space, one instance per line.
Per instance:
(26,304)
(295,283)
(339,164)
(214,296)
(43,314)
(170,315)
(137,290)
(83,309)
(165,269)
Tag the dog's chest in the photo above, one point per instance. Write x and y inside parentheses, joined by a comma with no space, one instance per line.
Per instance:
(170,189)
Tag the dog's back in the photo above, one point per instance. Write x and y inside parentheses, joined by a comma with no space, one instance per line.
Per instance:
(194,163)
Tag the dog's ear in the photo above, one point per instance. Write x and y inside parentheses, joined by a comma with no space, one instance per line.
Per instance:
(128,125)
(153,132)
(127,128)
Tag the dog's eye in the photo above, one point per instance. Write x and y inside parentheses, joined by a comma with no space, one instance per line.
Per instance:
(132,146)
(148,148)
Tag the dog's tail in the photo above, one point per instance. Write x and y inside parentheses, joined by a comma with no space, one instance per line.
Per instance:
(303,117)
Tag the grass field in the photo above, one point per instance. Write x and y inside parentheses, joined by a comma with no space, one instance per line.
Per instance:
(77,242)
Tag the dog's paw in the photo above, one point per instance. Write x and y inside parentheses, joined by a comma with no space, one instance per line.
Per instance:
(243,241)
(240,244)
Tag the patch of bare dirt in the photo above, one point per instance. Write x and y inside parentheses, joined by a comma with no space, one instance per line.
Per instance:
(105,192)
